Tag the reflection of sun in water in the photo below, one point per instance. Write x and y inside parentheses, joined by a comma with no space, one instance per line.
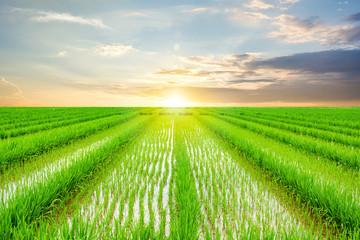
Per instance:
(174,101)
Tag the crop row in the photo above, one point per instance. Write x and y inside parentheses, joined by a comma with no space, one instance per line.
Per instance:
(19,117)
(317,133)
(338,202)
(179,175)
(24,203)
(134,199)
(33,128)
(234,203)
(306,125)
(335,117)
(345,155)
(18,149)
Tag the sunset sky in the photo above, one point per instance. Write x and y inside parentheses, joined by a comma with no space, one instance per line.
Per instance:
(187,53)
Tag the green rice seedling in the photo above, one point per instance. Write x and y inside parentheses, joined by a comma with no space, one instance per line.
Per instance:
(41,127)
(186,222)
(340,117)
(28,203)
(310,125)
(15,150)
(136,192)
(341,154)
(316,133)
(236,201)
(321,193)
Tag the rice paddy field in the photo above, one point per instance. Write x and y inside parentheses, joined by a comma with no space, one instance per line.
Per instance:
(179,173)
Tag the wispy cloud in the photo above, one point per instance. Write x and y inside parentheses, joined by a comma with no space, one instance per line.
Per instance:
(228,71)
(186,71)
(258,5)
(62,53)
(253,17)
(289,1)
(50,16)
(136,14)
(208,61)
(325,78)
(11,95)
(296,30)
(203,10)
(232,60)
(113,50)
(332,69)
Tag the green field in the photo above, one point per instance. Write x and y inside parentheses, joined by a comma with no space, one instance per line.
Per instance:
(179,173)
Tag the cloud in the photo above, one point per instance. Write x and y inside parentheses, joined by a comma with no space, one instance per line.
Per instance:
(297,78)
(208,60)
(196,72)
(136,14)
(331,61)
(187,71)
(200,10)
(289,1)
(229,70)
(253,81)
(113,50)
(300,93)
(253,17)
(11,95)
(62,53)
(232,60)
(344,35)
(296,30)
(258,5)
(355,17)
(50,16)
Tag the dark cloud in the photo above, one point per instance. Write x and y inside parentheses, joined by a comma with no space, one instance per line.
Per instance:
(354,18)
(332,61)
(308,23)
(240,57)
(345,35)
(312,78)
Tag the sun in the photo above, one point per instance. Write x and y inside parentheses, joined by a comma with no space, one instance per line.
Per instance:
(174,101)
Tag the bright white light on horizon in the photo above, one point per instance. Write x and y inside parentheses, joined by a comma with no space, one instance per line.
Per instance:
(174,101)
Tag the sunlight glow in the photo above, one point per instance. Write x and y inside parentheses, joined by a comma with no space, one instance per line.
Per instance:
(174,101)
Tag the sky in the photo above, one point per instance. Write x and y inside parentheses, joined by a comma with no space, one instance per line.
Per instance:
(179,53)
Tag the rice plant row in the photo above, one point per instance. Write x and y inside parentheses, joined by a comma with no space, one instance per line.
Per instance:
(284,115)
(18,117)
(18,149)
(180,173)
(346,155)
(52,123)
(353,141)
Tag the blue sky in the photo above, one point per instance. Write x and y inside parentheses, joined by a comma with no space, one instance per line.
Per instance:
(203,53)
